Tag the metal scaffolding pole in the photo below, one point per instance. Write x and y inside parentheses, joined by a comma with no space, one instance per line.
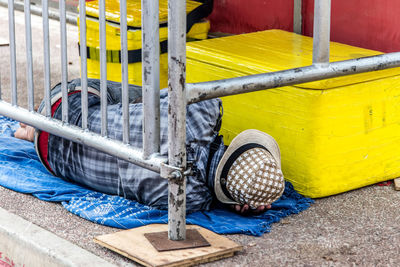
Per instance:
(206,90)
(297,17)
(124,70)
(322,30)
(177,118)
(46,56)
(13,54)
(29,60)
(83,53)
(103,67)
(150,77)
(64,62)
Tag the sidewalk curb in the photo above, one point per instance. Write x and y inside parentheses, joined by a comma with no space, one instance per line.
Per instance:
(23,243)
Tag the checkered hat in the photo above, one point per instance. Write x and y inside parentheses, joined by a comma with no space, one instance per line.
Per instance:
(250,171)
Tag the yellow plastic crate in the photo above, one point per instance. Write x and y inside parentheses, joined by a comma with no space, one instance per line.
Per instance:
(198,31)
(335,135)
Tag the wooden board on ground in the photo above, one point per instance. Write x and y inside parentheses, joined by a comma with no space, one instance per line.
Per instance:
(397,184)
(134,245)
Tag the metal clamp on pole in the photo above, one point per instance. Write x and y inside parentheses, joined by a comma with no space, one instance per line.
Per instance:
(171,172)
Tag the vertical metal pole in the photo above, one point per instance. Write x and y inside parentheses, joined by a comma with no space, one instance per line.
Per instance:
(124,71)
(322,29)
(83,52)
(13,70)
(103,66)
(297,17)
(64,66)
(46,51)
(177,117)
(150,77)
(28,39)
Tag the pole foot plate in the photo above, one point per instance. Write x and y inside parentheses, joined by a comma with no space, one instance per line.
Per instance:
(160,240)
(134,245)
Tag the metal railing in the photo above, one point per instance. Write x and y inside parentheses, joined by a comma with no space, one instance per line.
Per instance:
(180,93)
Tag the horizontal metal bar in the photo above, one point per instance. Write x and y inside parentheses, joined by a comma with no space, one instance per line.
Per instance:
(76,134)
(71,18)
(206,90)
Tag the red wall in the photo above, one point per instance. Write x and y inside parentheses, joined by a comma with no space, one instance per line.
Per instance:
(240,16)
(373,24)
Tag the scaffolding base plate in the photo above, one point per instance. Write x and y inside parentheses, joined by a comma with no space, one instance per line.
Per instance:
(160,241)
(134,245)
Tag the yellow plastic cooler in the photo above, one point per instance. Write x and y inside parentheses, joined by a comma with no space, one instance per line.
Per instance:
(198,31)
(335,135)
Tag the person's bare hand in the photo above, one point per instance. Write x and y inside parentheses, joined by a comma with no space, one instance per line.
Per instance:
(25,132)
(245,209)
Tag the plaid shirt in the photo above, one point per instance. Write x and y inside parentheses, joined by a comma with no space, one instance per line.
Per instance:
(108,174)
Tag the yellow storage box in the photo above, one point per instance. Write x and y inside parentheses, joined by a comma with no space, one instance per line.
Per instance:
(198,31)
(335,135)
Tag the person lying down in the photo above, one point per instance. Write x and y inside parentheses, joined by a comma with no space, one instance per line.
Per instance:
(246,176)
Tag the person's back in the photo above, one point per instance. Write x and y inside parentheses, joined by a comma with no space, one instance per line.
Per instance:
(105,173)
(245,176)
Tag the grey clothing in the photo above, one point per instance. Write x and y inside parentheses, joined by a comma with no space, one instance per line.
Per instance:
(108,174)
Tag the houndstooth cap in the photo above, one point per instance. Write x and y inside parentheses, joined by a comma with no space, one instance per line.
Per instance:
(255,178)
(249,171)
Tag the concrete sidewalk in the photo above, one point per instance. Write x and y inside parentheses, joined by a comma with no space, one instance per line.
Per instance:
(356,228)
(22,243)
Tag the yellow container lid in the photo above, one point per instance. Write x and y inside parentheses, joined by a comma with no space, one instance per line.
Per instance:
(275,50)
(134,12)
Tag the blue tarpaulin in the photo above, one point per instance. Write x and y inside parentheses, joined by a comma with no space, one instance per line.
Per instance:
(21,171)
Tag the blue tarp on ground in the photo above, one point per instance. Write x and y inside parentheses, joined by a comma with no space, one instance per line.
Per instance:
(21,171)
